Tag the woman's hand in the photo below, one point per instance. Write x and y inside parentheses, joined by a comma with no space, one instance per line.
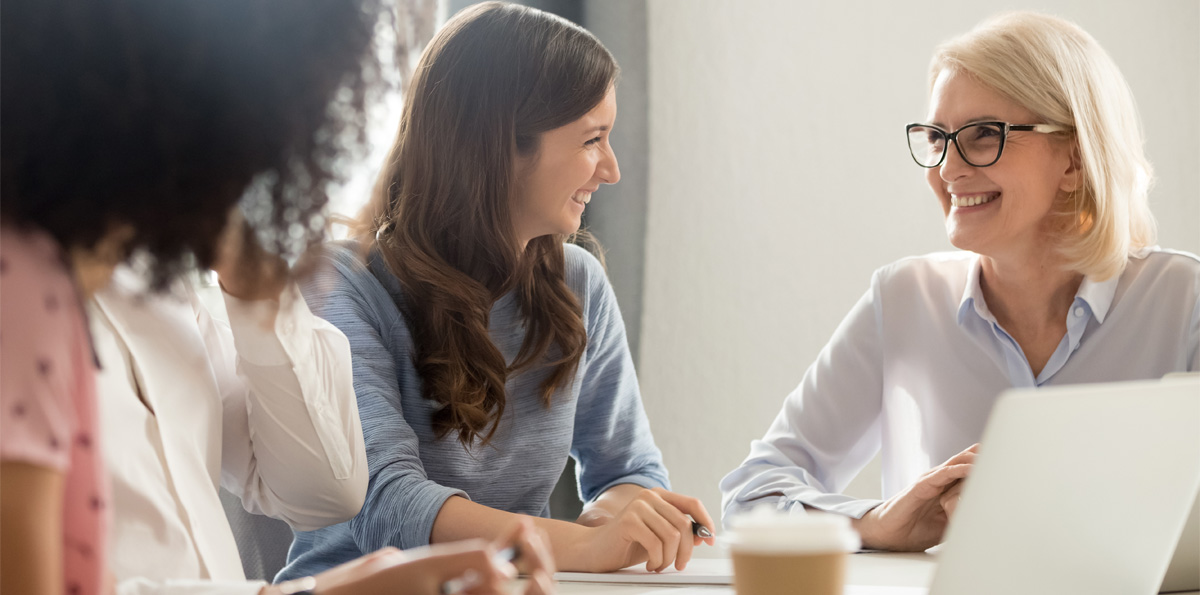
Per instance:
(916,518)
(423,571)
(653,527)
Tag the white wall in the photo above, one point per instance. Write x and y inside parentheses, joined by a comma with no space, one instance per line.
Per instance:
(780,178)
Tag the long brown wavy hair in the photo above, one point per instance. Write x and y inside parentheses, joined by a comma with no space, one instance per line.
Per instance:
(491,81)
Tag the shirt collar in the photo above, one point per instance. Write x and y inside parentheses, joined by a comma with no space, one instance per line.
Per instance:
(1098,295)
(972,297)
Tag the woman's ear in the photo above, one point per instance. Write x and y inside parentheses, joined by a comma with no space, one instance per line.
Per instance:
(1072,178)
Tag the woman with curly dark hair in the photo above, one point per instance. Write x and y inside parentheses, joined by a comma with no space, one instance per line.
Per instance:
(134,127)
(488,349)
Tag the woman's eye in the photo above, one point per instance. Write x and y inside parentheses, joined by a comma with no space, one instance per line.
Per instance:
(987,131)
(592,141)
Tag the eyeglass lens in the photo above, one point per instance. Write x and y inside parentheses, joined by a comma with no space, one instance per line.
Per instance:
(979,144)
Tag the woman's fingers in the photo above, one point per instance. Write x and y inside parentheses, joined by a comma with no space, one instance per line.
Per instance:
(659,517)
(950,498)
(689,506)
(935,482)
(368,565)
(678,511)
(469,567)
(967,455)
(636,530)
(658,521)
(916,518)
(476,570)
(673,527)
(539,583)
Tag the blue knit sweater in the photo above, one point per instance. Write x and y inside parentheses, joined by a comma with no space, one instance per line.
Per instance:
(598,419)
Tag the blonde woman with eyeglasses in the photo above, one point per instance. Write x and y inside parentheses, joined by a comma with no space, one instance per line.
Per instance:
(1033,150)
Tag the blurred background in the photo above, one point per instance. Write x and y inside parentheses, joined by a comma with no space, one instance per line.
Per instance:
(765,176)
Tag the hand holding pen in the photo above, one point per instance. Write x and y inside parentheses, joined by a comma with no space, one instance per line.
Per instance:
(525,547)
(472,567)
(636,525)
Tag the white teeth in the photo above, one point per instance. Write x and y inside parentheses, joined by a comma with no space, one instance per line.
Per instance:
(583,198)
(970,201)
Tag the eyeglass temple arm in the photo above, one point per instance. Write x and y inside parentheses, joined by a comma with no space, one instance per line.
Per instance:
(1043,128)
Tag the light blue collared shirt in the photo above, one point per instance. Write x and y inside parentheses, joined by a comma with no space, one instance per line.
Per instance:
(1092,300)
(914,369)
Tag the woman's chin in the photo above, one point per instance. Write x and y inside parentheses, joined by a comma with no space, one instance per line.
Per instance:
(961,239)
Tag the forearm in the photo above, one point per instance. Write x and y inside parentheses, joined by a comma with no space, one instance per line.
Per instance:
(31,543)
(460,518)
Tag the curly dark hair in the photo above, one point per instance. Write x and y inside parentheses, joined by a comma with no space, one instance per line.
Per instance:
(159,114)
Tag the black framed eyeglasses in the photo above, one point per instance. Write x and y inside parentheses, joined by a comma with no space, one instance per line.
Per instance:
(980,144)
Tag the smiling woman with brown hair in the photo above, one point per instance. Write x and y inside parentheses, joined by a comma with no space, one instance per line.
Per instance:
(486,349)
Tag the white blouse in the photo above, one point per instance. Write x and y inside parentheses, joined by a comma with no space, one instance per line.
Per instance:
(187,406)
(915,367)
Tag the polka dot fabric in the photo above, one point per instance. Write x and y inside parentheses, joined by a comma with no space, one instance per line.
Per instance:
(47,394)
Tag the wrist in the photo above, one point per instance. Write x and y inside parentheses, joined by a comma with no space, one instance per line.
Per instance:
(594,517)
(577,552)
(866,525)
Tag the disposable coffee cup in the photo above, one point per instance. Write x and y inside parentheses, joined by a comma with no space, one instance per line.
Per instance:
(790,554)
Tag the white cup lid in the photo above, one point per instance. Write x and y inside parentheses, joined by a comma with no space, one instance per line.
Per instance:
(770,531)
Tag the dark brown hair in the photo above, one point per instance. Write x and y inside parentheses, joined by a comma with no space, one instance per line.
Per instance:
(491,81)
(158,114)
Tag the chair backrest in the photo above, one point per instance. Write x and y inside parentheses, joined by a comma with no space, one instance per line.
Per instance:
(262,541)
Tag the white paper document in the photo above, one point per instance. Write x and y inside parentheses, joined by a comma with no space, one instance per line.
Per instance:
(714,576)
(850,590)
(699,571)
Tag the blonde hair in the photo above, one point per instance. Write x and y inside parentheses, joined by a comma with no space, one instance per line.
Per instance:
(1054,69)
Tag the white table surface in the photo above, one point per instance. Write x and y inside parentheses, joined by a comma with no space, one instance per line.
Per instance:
(862,570)
(875,569)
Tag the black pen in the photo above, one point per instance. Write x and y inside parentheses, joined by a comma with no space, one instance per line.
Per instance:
(700,530)
(470,578)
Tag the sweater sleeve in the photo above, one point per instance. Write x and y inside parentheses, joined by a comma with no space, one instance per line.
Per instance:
(827,431)
(402,502)
(612,441)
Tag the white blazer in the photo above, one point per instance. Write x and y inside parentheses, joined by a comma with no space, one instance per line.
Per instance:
(186,406)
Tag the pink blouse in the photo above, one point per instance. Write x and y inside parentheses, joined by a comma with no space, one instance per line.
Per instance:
(47,395)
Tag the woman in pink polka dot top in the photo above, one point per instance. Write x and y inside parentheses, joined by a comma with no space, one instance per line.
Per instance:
(135,128)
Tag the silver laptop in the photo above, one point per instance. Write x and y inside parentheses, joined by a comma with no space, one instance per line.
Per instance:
(1080,489)
(1184,571)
